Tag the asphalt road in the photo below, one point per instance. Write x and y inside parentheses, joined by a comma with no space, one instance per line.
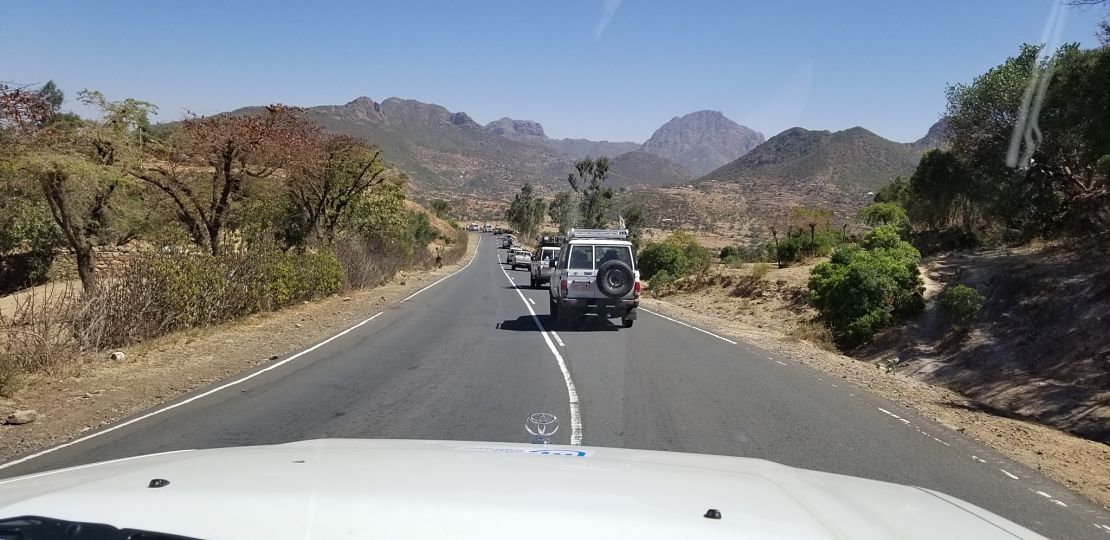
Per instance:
(466,360)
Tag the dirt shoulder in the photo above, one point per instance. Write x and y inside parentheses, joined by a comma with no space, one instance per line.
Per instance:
(165,368)
(1080,464)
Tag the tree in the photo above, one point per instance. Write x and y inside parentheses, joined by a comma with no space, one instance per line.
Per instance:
(440,207)
(635,218)
(323,185)
(53,96)
(204,167)
(894,192)
(562,210)
(80,169)
(863,289)
(588,181)
(526,212)
(883,213)
(941,191)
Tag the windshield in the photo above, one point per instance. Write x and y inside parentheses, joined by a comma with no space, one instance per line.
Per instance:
(868,238)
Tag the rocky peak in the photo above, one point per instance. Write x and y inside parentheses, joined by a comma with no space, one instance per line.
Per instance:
(516,129)
(702,140)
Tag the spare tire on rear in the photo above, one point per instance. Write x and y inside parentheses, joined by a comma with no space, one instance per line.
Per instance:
(615,279)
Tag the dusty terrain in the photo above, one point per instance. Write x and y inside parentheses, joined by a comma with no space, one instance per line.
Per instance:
(162,369)
(772,313)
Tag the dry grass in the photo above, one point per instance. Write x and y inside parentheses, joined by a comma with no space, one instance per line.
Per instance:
(813,332)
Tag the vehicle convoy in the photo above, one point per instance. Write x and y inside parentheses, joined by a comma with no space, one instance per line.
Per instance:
(543,263)
(473,227)
(595,274)
(365,488)
(510,256)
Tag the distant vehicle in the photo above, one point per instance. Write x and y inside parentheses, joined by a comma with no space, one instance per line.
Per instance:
(595,274)
(511,255)
(487,228)
(497,231)
(473,227)
(543,265)
(522,259)
(507,241)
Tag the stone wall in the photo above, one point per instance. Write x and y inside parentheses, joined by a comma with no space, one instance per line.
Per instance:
(107,260)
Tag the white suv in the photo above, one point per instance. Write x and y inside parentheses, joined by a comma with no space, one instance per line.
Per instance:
(596,274)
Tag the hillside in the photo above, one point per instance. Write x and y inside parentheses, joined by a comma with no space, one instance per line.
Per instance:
(442,150)
(702,141)
(580,148)
(835,169)
(640,169)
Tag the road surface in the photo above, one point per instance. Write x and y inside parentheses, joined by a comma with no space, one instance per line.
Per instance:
(467,360)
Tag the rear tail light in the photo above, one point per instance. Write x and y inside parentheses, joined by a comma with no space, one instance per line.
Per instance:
(563,287)
(636,289)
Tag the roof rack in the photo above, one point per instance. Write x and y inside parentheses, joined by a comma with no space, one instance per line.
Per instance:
(610,234)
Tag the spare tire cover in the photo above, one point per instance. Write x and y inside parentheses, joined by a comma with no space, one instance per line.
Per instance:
(615,279)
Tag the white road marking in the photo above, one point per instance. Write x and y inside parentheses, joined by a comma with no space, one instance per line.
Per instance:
(1061,503)
(572,392)
(557,338)
(780,362)
(1008,473)
(1043,494)
(688,325)
(532,301)
(227,385)
(436,282)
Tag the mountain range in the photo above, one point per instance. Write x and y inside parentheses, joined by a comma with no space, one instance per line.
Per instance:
(449,154)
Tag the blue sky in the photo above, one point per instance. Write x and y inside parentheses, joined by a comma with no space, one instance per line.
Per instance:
(600,69)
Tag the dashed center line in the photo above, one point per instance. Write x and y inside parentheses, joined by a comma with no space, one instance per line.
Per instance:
(780,362)
(1010,474)
(532,301)
(558,339)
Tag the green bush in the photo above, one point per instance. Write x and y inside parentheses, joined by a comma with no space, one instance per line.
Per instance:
(884,213)
(729,252)
(660,279)
(859,291)
(798,246)
(661,257)
(961,303)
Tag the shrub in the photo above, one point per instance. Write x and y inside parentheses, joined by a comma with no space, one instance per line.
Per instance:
(729,252)
(164,292)
(860,291)
(660,279)
(884,213)
(661,257)
(961,303)
(760,269)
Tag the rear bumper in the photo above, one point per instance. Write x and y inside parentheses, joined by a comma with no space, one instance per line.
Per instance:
(606,307)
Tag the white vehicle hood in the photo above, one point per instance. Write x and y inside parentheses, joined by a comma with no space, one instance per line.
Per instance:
(438,489)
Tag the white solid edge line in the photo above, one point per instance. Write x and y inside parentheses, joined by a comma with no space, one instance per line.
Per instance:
(572,392)
(240,380)
(687,325)
(436,282)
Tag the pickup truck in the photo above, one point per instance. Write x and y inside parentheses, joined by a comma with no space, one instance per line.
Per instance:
(596,274)
(543,265)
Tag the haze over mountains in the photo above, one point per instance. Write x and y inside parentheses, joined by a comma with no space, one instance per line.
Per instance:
(449,154)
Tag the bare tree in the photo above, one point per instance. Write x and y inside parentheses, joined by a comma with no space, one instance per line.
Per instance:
(204,166)
(338,171)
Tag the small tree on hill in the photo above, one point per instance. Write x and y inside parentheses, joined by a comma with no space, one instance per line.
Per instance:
(588,180)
